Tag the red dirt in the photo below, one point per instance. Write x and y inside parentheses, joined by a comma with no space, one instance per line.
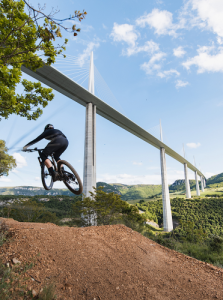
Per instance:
(108,262)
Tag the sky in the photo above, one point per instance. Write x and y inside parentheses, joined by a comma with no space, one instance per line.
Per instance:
(154,60)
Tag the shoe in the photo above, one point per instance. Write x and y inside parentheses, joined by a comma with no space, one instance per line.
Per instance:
(56,176)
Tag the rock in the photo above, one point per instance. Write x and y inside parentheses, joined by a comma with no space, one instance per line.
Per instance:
(34,293)
(16,261)
(117,288)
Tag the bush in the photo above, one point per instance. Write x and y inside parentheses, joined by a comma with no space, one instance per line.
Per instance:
(216,243)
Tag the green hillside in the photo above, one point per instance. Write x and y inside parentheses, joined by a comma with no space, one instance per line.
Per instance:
(139,191)
(33,191)
(215,181)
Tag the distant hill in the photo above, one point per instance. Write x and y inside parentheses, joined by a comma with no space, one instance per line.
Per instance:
(33,191)
(212,182)
(127,192)
(179,185)
(131,192)
(215,181)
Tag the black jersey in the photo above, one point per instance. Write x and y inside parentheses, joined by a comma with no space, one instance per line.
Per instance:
(48,134)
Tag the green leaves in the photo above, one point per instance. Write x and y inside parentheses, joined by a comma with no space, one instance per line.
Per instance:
(7,162)
(23,41)
(107,208)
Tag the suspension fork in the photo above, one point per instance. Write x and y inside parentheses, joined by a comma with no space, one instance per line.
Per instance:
(40,160)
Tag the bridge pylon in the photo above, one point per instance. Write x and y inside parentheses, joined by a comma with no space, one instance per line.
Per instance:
(187,183)
(89,180)
(202,183)
(167,215)
(197,184)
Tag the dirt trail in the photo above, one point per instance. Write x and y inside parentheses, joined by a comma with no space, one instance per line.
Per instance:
(109,262)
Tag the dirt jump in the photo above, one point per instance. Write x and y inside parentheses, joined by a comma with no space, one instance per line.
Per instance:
(106,263)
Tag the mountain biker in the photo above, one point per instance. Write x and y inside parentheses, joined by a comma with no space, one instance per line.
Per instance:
(57,145)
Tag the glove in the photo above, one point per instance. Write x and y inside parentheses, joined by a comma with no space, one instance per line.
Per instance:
(24,148)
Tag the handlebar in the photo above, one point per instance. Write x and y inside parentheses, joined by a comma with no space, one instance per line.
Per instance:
(32,150)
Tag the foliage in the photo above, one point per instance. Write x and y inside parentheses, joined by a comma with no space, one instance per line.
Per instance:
(7,162)
(23,41)
(106,208)
(31,209)
(26,210)
(199,233)
(205,213)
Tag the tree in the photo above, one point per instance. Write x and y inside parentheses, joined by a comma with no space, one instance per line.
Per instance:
(27,39)
(106,208)
(7,162)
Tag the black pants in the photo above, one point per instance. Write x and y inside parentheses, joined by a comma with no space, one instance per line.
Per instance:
(57,146)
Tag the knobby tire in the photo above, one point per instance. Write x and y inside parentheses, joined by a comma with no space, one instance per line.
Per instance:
(72,171)
(44,169)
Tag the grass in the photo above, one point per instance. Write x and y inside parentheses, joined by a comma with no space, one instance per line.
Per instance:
(48,292)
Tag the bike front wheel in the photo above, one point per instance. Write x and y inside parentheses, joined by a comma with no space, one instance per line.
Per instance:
(70,177)
(47,179)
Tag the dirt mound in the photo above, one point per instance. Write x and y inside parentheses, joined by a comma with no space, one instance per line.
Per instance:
(109,262)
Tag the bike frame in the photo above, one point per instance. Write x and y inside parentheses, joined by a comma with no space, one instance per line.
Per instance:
(40,160)
(52,161)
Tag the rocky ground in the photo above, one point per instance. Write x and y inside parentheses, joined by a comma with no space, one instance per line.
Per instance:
(107,262)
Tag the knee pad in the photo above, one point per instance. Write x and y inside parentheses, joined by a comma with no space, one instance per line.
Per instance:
(43,156)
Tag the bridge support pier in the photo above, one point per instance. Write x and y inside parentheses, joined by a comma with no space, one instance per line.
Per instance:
(197,184)
(90,150)
(90,139)
(167,215)
(202,183)
(187,183)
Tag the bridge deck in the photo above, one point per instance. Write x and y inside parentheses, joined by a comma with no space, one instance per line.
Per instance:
(61,83)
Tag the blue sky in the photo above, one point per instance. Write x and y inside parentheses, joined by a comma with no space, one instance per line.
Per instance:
(156,60)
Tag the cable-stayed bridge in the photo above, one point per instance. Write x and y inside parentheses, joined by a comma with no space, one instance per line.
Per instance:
(94,105)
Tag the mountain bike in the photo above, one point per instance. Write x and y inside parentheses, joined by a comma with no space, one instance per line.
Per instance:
(66,172)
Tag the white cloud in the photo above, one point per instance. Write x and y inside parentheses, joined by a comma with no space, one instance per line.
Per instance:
(209,14)
(127,33)
(151,65)
(4,179)
(160,20)
(179,52)
(193,145)
(137,163)
(86,53)
(124,33)
(20,160)
(209,59)
(149,47)
(168,73)
(130,179)
(180,83)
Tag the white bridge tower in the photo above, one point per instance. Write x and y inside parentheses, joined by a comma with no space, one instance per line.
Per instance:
(90,139)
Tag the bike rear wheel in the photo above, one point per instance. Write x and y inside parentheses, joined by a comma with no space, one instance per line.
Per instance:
(47,179)
(70,177)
